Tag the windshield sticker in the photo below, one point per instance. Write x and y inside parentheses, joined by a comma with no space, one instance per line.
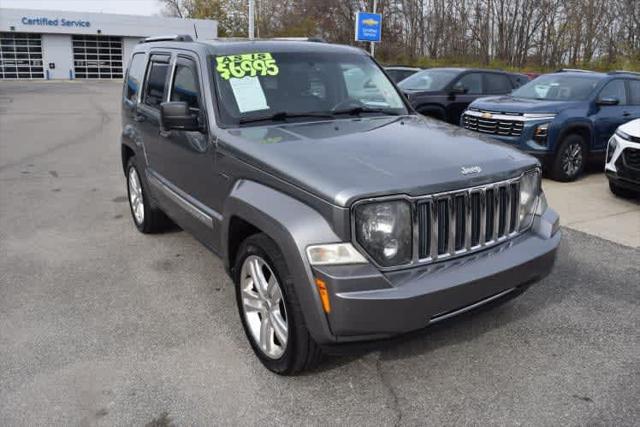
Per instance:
(246,65)
(249,94)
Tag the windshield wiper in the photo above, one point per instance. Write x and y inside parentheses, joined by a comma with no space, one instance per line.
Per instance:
(355,111)
(282,116)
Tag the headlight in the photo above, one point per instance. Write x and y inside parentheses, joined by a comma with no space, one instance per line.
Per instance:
(622,134)
(384,230)
(529,191)
(541,132)
(611,148)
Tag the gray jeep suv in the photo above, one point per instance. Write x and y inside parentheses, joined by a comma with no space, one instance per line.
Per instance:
(340,213)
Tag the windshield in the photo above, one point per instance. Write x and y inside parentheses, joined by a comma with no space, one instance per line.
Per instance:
(429,80)
(277,86)
(558,87)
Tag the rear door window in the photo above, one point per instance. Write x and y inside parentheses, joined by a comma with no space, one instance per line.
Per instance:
(634,91)
(496,84)
(135,75)
(156,80)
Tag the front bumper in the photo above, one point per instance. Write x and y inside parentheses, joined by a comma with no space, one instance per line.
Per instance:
(618,169)
(367,304)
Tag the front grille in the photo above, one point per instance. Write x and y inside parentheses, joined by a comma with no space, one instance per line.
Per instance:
(493,126)
(466,220)
(632,157)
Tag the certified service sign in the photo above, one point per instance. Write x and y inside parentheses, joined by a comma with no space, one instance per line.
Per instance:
(368,27)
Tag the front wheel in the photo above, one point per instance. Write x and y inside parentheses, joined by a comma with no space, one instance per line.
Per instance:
(269,309)
(570,159)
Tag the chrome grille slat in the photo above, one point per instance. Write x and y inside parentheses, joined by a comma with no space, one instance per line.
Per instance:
(451,210)
(467,220)
(495,126)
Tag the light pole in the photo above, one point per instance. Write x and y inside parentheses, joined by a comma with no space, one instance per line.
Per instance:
(251,23)
(373,45)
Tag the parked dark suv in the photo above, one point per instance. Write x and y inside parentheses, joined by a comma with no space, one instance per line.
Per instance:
(340,214)
(564,118)
(444,93)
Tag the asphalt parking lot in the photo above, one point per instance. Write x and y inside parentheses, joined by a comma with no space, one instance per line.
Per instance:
(101,325)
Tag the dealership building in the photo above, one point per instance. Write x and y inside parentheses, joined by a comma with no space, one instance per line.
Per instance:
(47,44)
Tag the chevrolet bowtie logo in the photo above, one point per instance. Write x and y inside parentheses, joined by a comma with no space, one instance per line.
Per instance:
(486,115)
(369,21)
(470,169)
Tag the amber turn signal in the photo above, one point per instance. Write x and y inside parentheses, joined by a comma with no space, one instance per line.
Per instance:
(324,295)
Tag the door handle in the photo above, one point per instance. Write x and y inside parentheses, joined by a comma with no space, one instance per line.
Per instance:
(165,133)
(626,113)
(138,118)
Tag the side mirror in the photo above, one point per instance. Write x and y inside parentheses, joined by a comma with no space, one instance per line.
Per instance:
(458,89)
(608,101)
(176,115)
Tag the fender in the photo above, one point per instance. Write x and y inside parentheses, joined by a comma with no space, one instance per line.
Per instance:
(293,226)
(583,126)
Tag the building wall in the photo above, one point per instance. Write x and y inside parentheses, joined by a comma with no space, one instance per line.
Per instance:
(110,24)
(57,49)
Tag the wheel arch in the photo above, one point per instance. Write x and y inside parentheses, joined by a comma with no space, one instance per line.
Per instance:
(253,207)
(583,129)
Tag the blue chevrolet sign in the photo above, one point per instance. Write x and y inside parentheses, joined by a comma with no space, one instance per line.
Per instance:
(368,27)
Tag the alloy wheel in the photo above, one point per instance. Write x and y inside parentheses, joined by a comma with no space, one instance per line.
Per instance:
(135,196)
(572,158)
(263,306)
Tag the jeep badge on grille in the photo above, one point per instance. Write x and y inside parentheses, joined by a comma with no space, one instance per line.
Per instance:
(471,169)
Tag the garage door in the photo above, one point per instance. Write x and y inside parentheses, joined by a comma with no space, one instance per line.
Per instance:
(21,56)
(97,57)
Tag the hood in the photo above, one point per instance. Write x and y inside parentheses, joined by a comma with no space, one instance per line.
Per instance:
(345,160)
(509,104)
(631,128)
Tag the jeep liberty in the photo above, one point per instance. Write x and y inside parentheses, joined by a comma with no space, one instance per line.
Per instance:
(340,214)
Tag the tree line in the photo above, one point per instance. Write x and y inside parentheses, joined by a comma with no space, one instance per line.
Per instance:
(519,34)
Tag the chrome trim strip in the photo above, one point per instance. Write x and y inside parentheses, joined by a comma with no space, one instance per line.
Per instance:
(498,116)
(441,317)
(507,218)
(468,219)
(181,201)
(452,211)
(434,230)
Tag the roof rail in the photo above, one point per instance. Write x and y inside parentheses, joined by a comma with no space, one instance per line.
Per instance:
(635,73)
(289,39)
(574,70)
(169,38)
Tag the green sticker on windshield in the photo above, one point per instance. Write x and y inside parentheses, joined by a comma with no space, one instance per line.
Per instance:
(246,65)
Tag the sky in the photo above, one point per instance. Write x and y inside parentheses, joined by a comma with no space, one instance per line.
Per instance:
(129,7)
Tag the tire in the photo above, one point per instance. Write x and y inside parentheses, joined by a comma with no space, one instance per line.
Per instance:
(147,218)
(570,158)
(625,193)
(259,256)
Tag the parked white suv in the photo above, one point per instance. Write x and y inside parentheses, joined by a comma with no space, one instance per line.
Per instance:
(622,165)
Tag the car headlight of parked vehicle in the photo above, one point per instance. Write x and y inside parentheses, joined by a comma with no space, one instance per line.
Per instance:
(611,147)
(384,231)
(529,194)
